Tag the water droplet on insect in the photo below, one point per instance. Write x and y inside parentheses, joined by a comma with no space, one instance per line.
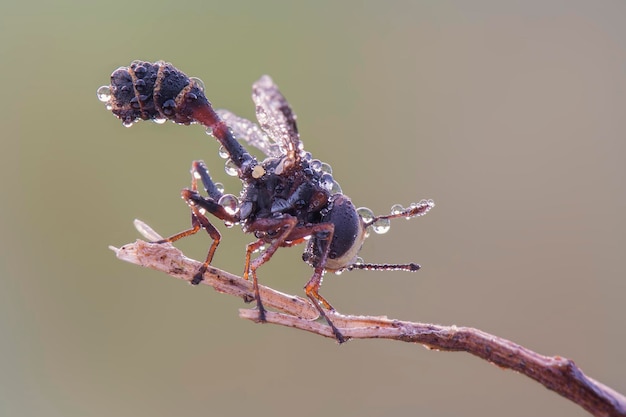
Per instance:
(209,131)
(231,168)
(223,153)
(358,260)
(134,103)
(316,164)
(366,214)
(327,181)
(199,83)
(140,85)
(159,120)
(169,107)
(104,93)
(324,167)
(381,226)
(128,123)
(396,209)
(140,71)
(230,203)
(336,188)
(339,272)
(219,186)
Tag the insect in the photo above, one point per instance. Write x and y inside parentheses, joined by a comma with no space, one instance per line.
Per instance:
(287,199)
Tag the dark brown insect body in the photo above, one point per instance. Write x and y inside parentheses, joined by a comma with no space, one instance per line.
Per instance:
(287,199)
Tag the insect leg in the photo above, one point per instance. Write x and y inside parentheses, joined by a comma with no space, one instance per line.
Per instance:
(322,231)
(284,226)
(199,205)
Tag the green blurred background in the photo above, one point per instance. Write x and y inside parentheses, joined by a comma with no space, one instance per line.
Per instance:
(510,115)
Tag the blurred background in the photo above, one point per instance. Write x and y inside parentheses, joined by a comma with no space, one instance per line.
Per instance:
(510,115)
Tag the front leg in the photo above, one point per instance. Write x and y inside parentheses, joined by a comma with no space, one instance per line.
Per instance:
(199,205)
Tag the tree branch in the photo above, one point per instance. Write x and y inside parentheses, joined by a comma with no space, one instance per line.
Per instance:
(555,373)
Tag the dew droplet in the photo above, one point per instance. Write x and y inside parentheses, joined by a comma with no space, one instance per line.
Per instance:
(316,164)
(327,181)
(140,85)
(209,131)
(336,188)
(104,93)
(223,153)
(230,203)
(358,260)
(169,107)
(140,71)
(231,168)
(220,187)
(366,214)
(396,209)
(338,271)
(324,167)
(159,120)
(134,103)
(381,226)
(128,123)
(199,83)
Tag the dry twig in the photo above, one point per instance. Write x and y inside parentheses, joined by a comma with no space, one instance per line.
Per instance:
(556,373)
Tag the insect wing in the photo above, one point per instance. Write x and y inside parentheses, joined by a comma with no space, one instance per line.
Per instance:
(251,133)
(275,116)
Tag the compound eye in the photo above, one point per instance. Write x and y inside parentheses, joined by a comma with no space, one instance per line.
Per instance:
(348,235)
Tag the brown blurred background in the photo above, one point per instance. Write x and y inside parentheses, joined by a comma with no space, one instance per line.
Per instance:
(510,115)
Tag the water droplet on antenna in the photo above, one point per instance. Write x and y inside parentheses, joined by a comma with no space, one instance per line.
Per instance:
(381,226)
(396,209)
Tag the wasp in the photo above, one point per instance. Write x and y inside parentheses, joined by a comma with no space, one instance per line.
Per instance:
(287,199)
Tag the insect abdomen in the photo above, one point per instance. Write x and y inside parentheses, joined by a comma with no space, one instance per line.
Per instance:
(153,91)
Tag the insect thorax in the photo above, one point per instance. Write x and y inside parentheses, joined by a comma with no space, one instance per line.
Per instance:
(296,191)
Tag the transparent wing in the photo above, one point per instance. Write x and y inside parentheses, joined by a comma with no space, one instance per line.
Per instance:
(276,117)
(251,133)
